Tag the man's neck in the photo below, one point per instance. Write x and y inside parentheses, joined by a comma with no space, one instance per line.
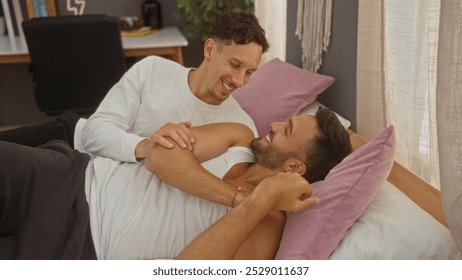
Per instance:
(247,175)
(197,87)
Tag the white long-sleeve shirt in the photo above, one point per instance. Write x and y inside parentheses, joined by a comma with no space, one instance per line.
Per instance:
(135,215)
(152,92)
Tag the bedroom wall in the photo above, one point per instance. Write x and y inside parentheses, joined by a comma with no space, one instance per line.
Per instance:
(340,59)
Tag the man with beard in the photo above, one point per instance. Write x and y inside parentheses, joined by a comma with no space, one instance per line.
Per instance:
(134,214)
(304,145)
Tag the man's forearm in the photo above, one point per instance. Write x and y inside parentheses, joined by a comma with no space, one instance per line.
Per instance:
(223,239)
(283,191)
(181,168)
(178,167)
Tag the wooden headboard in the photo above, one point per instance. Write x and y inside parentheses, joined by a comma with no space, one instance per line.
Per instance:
(419,191)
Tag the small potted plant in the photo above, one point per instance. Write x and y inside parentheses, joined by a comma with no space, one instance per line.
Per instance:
(200,14)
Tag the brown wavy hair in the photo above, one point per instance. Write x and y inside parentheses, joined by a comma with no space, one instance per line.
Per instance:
(238,27)
(328,148)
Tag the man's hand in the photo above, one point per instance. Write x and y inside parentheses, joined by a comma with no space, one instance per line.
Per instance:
(180,133)
(286,192)
(249,221)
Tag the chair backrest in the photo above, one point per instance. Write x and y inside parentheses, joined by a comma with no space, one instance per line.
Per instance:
(75,60)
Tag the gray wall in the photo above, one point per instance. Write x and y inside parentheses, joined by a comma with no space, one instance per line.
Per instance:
(340,59)
(17,105)
(109,7)
(191,55)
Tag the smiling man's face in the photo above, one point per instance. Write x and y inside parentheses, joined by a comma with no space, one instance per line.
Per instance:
(229,67)
(284,141)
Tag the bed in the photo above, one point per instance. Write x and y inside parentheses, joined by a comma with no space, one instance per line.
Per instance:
(371,207)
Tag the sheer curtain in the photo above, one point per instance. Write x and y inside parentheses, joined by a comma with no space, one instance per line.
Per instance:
(401,87)
(449,113)
(409,74)
(272,15)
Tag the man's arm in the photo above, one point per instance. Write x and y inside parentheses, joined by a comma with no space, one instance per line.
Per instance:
(181,168)
(107,131)
(226,238)
(178,132)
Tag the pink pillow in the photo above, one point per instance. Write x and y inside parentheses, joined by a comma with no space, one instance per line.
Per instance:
(277,91)
(314,233)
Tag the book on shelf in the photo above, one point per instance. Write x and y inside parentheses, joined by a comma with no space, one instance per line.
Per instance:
(8,20)
(40,8)
(52,8)
(23,7)
(13,17)
(18,17)
(29,8)
(16,11)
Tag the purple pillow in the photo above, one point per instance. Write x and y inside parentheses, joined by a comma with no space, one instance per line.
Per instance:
(277,91)
(314,233)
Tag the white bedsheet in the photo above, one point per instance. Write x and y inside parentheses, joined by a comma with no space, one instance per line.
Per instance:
(394,227)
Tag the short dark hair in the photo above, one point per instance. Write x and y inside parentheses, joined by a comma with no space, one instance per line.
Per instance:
(328,148)
(238,27)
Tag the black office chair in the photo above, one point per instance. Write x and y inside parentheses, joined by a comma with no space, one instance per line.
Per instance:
(75,60)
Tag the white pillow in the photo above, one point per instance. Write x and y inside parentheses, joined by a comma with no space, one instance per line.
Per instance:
(395,228)
(311,109)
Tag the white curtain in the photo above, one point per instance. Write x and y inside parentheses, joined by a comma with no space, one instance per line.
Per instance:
(449,113)
(397,78)
(409,74)
(272,15)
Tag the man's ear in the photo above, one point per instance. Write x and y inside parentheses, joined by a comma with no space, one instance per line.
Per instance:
(208,47)
(294,165)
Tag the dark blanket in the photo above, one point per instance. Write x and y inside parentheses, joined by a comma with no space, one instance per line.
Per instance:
(43,209)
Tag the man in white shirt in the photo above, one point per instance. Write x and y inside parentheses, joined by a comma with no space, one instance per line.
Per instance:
(132,116)
(304,145)
(136,214)
(155,91)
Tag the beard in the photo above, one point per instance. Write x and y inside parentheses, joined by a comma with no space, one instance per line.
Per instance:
(269,156)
